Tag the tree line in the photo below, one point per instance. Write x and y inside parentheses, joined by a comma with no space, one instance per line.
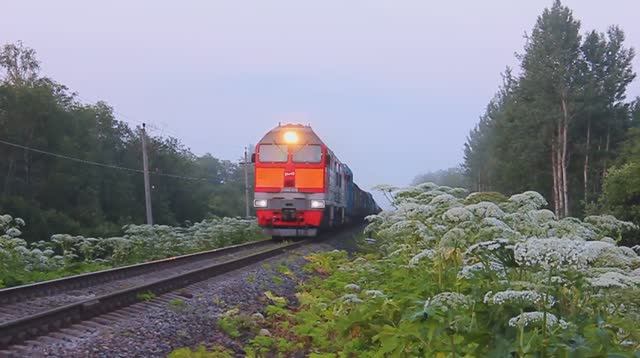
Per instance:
(561,124)
(57,195)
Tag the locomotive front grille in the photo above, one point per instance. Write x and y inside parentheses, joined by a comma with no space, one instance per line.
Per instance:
(289,215)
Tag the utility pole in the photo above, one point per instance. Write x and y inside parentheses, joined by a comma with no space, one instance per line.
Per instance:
(246,183)
(145,166)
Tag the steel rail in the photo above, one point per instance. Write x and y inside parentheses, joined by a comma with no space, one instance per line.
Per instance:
(19,330)
(46,288)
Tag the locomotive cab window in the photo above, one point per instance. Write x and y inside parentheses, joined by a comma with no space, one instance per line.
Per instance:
(307,154)
(272,153)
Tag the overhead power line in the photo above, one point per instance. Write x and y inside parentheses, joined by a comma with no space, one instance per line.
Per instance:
(90,162)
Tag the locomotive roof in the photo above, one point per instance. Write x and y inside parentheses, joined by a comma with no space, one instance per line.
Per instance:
(306,133)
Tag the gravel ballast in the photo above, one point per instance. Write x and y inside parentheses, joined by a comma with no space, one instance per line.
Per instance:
(188,317)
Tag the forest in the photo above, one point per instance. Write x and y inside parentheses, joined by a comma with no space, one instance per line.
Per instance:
(561,124)
(42,122)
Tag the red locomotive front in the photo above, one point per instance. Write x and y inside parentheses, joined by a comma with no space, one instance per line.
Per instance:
(291,165)
(301,186)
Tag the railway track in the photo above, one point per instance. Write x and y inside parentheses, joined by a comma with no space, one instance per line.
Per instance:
(34,310)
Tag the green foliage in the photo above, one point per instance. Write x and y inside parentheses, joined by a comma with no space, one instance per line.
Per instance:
(234,323)
(621,190)
(57,195)
(146,296)
(65,255)
(455,277)
(202,352)
(177,305)
(567,101)
(621,194)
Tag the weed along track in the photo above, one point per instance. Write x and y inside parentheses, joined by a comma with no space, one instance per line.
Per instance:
(30,311)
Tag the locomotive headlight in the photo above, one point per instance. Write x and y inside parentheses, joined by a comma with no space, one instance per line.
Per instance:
(317,204)
(290,137)
(260,203)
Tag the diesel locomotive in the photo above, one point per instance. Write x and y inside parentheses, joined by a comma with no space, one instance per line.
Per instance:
(301,186)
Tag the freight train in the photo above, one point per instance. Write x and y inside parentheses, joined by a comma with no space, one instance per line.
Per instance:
(301,186)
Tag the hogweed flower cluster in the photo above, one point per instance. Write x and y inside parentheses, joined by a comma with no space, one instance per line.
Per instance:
(614,279)
(351,298)
(551,253)
(375,294)
(445,301)
(521,298)
(352,287)
(469,271)
(527,319)
(457,214)
(426,253)
(485,209)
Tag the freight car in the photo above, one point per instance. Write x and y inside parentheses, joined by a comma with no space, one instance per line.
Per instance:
(301,186)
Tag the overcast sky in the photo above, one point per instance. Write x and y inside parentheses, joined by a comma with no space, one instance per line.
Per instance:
(393,87)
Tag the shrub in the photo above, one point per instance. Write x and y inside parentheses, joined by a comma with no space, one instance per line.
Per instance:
(472,277)
(65,254)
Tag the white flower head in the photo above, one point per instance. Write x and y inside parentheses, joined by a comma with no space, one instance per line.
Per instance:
(352,287)
(551,253)
(443,200)
(513,297)
(470,271)
(529,200)
(455,237)
(527,319)
(609,224)
(457,214)
(375,293)
(486,209)
(448,300)
(613,279)
(350,298)
(13,232)
(424,254)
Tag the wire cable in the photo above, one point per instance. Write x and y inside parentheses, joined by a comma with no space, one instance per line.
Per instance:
(104,165)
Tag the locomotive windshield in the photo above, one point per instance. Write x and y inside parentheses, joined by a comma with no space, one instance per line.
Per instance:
(307,154)
(270,153)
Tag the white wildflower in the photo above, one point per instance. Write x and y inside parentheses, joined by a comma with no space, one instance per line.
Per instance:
(527,319)
(5,219)
(457,214)
(541,216)
(453,238)
(614,279)
(529,200)
(352,287)
(448,300)
(510,297)
(470,271)
(491,221)
(375,294)
(426,253)
(608,240)
(603,253)
(609,223)
(350,298)
(551,253)
(13,232)
(486,209)
(443,200)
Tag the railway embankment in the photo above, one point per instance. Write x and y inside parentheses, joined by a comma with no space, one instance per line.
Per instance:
(214,312)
